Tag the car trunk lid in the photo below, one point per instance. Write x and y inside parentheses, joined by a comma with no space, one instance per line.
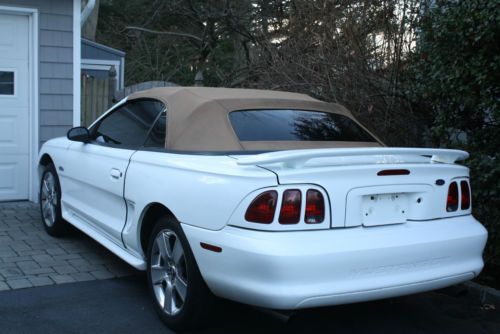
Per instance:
(373,186)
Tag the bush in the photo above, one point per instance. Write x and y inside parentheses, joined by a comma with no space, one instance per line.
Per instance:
(455,74)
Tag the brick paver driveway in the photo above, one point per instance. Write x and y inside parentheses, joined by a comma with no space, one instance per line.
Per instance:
(30,257)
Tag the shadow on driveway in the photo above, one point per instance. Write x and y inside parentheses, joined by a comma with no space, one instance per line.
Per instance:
(123,306)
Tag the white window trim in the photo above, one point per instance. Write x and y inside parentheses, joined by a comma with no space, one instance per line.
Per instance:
(105,64)
(34,140)
(96,67)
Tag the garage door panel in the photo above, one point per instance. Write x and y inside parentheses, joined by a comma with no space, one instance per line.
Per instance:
(14,107)
(7,132)
(14,132)
(12,27)
(14,177)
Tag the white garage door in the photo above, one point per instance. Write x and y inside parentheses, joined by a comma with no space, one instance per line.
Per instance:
(14,107)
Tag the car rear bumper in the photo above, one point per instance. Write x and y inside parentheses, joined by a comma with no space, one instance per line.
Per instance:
(291,270)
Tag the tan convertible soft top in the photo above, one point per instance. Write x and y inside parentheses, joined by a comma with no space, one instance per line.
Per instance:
(197,117)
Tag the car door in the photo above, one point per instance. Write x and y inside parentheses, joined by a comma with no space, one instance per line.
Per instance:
(93,174)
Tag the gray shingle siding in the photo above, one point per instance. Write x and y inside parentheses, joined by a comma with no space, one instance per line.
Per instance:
(56,117)
(52,131)
(56,22)
(56,102)
(55,68)
(56,38)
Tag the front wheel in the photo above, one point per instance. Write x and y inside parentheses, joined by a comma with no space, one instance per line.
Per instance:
(50,203)
(180,295)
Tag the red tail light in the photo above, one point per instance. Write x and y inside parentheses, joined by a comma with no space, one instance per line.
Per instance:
(290,207)
(464,189)
(315,207)
(262,208)
(452,199)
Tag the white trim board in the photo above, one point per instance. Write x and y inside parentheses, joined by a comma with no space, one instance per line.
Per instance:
(77,34)
(101,62)
(96,67)
(32,14)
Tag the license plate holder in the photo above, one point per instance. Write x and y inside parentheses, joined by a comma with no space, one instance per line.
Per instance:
(384,209)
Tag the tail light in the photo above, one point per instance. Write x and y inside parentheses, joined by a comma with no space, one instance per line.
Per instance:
(452,199)
(315,207)
(290,207)
(262,208)
(465,190)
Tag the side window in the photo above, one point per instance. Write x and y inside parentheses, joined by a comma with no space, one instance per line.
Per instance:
(157,136)
(129,124)
(7,83)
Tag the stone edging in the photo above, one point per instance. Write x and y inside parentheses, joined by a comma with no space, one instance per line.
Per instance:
(485,294)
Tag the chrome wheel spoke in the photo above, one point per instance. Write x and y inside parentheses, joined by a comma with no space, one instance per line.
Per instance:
(49,183)
(45,193)
(177,252)
(181,288)
(48,214)
(46,186)
(158,274)
(167,237)
(52,213)
(45,212)
(169,303)
(160,295)
(46,207)
(162,246)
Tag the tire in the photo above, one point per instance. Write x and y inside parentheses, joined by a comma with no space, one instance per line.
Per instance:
(180,295)
(50,203)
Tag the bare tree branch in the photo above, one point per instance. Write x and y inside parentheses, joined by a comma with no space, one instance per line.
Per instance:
(171,33)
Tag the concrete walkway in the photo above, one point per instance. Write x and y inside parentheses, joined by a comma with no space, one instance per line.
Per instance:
(30,257)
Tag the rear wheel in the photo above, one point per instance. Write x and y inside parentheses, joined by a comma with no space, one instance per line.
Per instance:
(50,203)
(180,295)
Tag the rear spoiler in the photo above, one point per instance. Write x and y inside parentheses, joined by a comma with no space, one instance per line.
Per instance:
(297,158)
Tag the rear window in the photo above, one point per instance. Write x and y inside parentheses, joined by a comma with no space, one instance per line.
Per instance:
(295,125)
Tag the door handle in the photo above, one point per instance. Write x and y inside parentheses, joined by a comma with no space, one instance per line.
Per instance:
(115,173)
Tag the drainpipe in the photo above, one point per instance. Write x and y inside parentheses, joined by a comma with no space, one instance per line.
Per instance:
(89,7)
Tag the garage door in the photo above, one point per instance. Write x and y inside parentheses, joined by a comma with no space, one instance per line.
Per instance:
(14,107)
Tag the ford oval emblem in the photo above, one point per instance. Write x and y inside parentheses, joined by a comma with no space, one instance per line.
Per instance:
(440,182)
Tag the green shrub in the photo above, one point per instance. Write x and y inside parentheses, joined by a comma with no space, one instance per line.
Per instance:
(455,73)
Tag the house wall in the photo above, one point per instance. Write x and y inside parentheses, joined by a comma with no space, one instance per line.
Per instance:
(55,68)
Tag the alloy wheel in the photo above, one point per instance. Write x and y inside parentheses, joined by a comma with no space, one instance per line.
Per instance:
(49,199)
(169,272)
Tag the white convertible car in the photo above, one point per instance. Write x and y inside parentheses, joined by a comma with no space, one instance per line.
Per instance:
(272,199)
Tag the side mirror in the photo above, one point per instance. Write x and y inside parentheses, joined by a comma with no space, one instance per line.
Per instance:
(80,133)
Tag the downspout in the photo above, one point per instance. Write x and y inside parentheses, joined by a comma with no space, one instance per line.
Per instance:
(89,7)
